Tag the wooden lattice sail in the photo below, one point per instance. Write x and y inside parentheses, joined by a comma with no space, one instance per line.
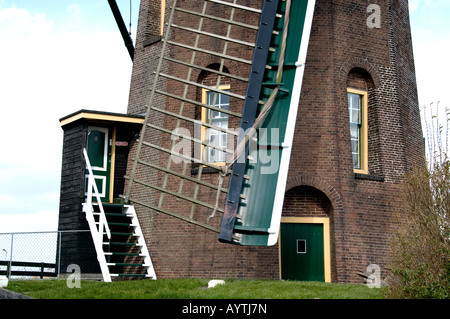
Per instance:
(215,145)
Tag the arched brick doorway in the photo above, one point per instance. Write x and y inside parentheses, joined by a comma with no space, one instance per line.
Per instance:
(304,245)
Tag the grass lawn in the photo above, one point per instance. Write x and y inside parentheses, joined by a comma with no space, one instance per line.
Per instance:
(193,289)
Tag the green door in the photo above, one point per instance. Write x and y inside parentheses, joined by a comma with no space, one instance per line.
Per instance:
(302,252)
(99,150)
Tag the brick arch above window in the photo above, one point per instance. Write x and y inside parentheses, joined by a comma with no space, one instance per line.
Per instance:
(205,75)
(214,63)
(211,79)
(360,79)
(357,63)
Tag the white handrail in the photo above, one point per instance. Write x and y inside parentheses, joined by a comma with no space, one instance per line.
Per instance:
(103,225)
(97,233)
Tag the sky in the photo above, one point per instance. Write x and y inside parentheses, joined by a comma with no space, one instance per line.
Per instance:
(56,57)
(60,56)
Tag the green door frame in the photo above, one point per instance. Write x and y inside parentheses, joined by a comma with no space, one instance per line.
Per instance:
(325,221)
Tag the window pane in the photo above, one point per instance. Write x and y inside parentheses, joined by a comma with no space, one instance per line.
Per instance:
(301,246)
(354,100)
(224,140)
(213,98)
(219,119)
(212,139)
(354,131)
(215,114)
(225,100)
(355,114)
(355,146)
(356,161)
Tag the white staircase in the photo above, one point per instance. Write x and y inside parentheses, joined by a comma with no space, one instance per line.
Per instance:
(117,236)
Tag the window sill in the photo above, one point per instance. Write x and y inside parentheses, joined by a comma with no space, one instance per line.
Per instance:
(369,177)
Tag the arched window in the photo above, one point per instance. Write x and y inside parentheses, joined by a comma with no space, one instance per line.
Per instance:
(214,115)
(214,134)
(358,114)
(359,87)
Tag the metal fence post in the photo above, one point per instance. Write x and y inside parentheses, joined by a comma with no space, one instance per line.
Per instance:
(59,253)
(10,256)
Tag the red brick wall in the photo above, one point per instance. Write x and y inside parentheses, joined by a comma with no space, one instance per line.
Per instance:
(363,210)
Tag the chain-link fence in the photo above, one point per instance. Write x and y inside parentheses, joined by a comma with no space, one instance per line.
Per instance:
(35,255)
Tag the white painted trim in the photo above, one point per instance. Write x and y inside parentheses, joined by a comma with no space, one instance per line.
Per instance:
(98,177)
(290,128)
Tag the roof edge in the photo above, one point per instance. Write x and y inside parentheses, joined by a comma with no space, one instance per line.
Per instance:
(101,115)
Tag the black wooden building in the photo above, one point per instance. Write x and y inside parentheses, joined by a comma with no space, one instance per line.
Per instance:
(107,137)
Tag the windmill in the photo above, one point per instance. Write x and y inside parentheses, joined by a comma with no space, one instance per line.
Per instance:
(206,143)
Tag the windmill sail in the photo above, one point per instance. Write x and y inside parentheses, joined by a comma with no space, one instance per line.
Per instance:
(193,159)
(256,220)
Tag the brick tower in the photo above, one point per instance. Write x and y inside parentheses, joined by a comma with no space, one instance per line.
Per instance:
(357,132)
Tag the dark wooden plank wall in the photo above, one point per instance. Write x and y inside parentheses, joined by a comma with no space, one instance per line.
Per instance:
(76,248)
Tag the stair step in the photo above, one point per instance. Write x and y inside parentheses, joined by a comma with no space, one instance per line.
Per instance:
(118,233)
(123,234)
(122,244)
(132,275)
(118,215)
(109,205)
(119,224)
(126,264)
(123,254)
